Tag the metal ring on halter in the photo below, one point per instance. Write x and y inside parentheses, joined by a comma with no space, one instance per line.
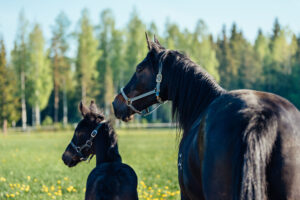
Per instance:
(155,91)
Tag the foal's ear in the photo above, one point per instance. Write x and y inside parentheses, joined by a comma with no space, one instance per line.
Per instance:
(83,109)
(156,41)
(93,107)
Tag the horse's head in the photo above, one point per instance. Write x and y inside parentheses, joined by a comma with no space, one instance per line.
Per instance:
(145,87)
(81,145)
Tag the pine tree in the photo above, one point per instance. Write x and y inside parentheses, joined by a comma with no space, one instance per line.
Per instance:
(224,56)
(263,58)
(110,64)
(87,56)
(40,80)
(60,63)
(8,98)
(136,47)
(203,52)
(20,62)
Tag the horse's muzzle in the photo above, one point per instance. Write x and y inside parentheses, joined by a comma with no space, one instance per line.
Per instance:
(121,110)
(69,160)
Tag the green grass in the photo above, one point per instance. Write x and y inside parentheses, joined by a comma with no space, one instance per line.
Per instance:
(31,165)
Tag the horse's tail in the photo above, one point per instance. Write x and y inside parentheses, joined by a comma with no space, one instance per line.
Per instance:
(258,141)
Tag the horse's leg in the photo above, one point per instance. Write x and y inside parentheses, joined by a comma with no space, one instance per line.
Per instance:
(221,163)
(217,175)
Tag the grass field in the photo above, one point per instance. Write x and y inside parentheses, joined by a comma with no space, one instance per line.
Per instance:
(31,165)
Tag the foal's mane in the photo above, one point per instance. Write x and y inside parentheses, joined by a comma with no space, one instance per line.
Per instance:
(113,151)
(190,87)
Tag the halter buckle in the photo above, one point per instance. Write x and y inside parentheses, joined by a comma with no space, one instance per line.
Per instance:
(158,78)
(94,133)
(89,143)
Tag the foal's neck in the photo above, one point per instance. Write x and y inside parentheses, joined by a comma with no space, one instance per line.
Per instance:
(191,89)
(106,149)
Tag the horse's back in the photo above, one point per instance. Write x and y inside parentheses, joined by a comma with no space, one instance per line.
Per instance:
(252,140)
(112,181)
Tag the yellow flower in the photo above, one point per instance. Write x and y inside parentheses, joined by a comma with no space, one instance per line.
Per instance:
(2,179)
(35,180)
(27,188)
(70,188)
(52,188)
(58,182)
(12,195)
(28,178)
(66,178)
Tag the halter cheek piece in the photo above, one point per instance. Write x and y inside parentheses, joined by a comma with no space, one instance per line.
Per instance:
(155,91)
(88,144)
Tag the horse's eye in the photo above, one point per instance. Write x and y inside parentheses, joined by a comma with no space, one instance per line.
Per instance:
(139,69)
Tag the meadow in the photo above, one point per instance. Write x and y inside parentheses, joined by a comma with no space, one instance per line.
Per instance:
(31,166)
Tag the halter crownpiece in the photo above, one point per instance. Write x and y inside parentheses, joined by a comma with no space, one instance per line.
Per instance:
(155,91)
(88,144)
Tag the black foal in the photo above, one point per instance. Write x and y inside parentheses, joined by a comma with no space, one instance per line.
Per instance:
(110,179)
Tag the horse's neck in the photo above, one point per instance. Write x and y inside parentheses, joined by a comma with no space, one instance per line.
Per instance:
(194,92)
(106,153)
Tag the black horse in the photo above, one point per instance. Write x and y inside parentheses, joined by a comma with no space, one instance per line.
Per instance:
(240,144)
(110,179)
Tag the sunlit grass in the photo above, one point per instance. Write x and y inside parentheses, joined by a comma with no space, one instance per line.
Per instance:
(31,165)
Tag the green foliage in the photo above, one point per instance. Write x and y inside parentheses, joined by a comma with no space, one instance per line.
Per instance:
(9,101)
(136,46)
(87,56)
(40,80)
(47,121)
(110,63)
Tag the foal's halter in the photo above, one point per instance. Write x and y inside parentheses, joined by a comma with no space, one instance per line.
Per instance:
(88,144)
(155,91)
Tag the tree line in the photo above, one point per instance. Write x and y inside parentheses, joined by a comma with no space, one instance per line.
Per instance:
(42,84)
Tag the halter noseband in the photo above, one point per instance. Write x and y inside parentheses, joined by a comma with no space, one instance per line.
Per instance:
(88,144)
(155,91)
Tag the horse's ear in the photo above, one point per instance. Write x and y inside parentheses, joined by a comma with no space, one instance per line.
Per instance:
(93,107)
(83,109)
(156,40)
(148,42)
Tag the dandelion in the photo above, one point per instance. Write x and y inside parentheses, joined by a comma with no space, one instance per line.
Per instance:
(70,188)
(58,182)
(35,180)
(2,179)
(27,188)
(12,195)
(28,178)
(66,178)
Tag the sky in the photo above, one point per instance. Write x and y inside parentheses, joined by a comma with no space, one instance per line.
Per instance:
(248,15)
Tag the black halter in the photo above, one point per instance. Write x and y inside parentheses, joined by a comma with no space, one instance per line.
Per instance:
(88,144)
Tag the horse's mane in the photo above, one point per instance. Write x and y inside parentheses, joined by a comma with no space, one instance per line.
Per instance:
(190,87)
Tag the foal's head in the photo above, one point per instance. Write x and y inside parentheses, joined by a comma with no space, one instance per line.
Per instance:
(82,143)
(143,80)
